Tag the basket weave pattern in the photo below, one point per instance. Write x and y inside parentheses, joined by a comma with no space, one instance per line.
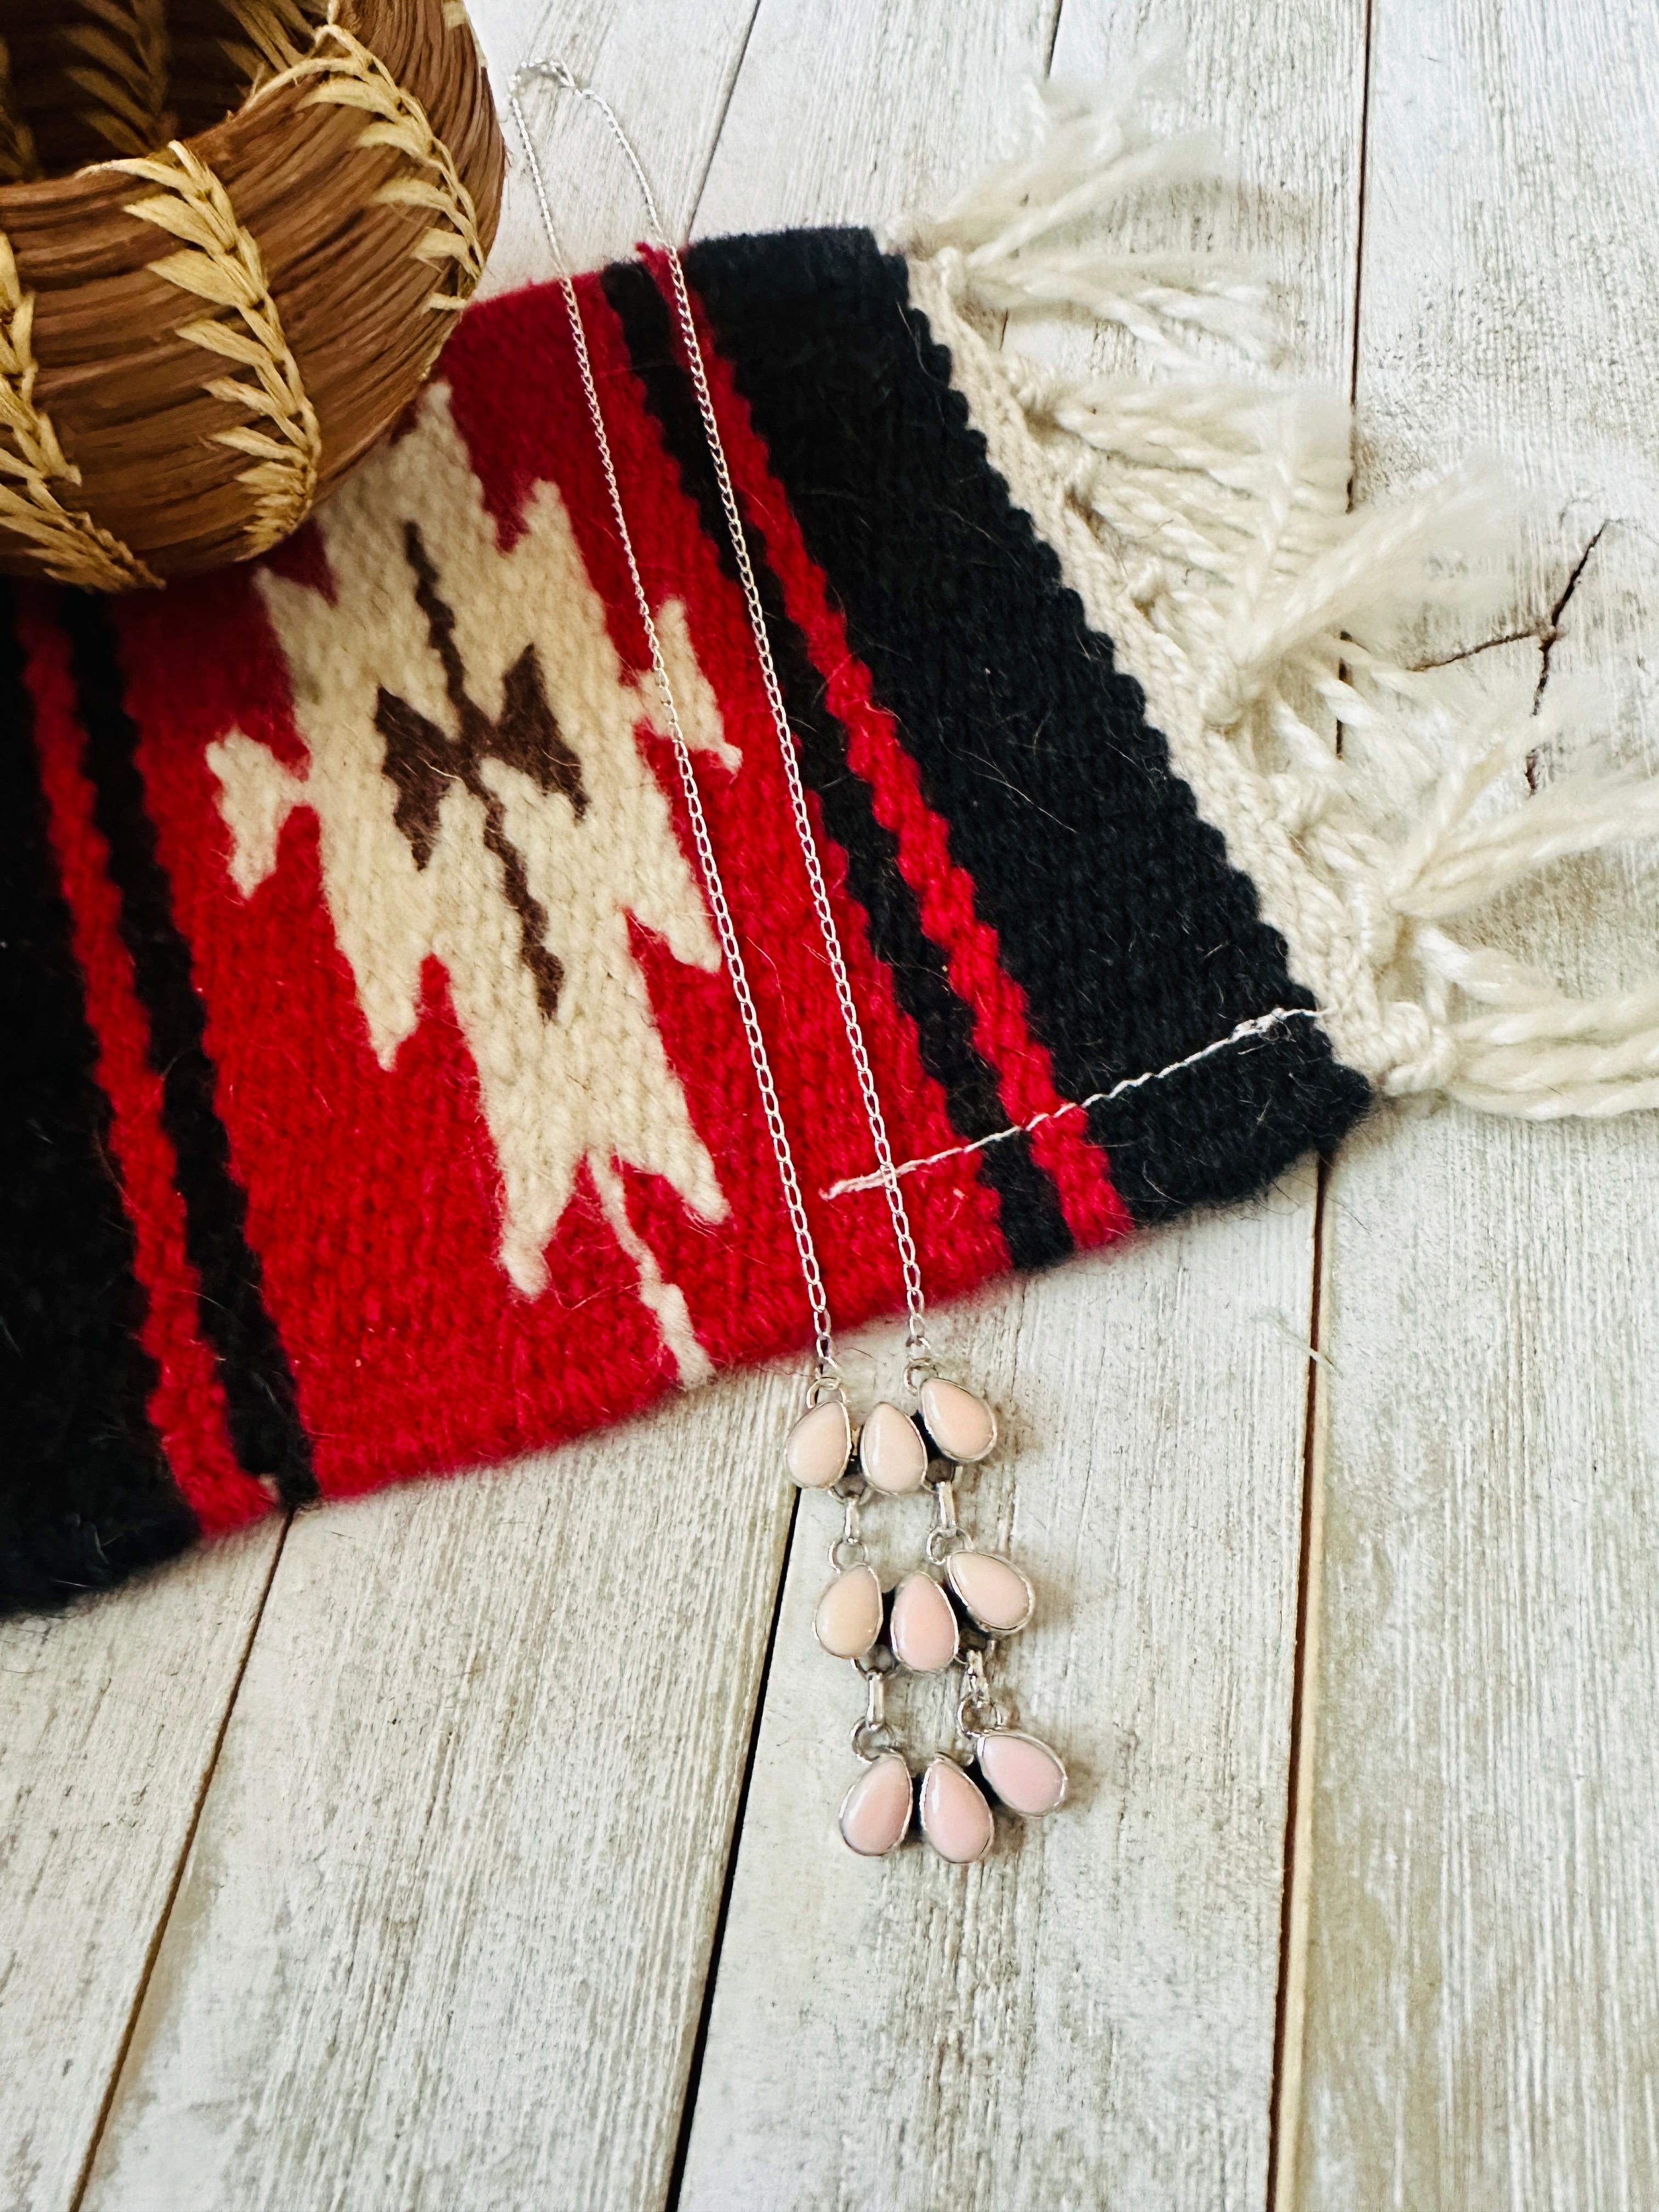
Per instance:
(269,217)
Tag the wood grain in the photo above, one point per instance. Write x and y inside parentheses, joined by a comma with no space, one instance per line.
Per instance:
(847,113)
(442,1936)
(1088,2018)
(668,76)
(1482,1996)
(108,1720)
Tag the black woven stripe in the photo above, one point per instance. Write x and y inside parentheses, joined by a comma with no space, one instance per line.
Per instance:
(1032,1221)
(85,1496)
(263,1419)
(1135,941)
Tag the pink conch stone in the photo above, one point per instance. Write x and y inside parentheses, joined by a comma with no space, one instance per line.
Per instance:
(962,1426)
(890,1451)
(1025,1774)
(996,1595)
(955,1818)
(849,1619)
(818,1447)
(875,1811)
(923,1627)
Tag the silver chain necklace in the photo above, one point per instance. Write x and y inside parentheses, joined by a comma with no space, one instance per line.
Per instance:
(950,1611)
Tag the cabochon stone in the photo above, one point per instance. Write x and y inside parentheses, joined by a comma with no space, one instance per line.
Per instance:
(955,1817)
(890,1451)
(849,1619)
(962,1426)
(923,1628)
(875,1814)
(817,1449)
(993,1592)
(1025,1774)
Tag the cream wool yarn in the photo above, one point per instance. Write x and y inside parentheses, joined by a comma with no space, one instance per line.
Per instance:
(1206,525)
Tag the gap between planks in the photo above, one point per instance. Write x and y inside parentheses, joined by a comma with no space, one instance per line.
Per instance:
(728,1875)
(690,225)
(1290,2008)
(158,1933)
(1290,2003)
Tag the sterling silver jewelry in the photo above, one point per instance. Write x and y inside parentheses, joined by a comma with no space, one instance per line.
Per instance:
(950,1611)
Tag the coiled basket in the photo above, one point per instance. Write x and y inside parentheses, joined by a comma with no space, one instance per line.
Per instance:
(234,236)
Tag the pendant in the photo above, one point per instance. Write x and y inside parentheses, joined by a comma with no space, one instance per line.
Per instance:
(817,1449)
(892,1456)
(949,1612)
(1027,1777)
(955,1817)
(875,1814)
(849,1618)
(921,1628)
(990,1590)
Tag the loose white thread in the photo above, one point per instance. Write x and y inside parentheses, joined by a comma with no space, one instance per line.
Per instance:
(1258,1026)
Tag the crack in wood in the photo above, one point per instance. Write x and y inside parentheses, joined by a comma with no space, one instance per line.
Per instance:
(1549,634)
(1546,632)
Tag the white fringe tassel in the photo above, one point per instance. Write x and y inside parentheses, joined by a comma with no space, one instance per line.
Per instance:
(1207,525)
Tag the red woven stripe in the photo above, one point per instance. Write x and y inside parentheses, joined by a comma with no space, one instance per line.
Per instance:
(958,1233)
(187,1405)
(372,1193)
(944,892)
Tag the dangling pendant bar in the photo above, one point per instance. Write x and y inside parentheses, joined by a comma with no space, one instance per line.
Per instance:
(943,1614)
(875,1812)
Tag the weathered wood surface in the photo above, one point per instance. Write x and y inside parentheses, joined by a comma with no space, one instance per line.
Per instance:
(1482,1992)
(442,1936)
(108,1720)
(667,72)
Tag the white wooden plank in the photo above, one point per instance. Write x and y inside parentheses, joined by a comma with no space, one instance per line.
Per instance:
(847,113)
(1087,2018)
(668,75)
(439,1942)
(108,1719)
(1482,1975)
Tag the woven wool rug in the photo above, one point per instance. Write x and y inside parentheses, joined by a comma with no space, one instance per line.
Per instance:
(375,1104)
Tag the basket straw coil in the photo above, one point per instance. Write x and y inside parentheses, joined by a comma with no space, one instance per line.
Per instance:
(234,236)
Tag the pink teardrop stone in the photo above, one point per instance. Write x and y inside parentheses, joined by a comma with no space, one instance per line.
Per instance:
(849,1618)
(1024,1773)
(817,1449)
(923,1628)
(962,1426)
(875,1811)
(994,1590)
(955,1818)
(890,1451)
